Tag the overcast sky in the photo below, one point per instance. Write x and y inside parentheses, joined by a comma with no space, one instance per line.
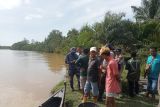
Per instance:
(34,19)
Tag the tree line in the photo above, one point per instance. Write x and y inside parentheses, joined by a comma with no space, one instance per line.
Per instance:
(5,47)
(113,29)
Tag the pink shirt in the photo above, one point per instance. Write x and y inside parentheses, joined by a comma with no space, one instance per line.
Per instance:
(112,84)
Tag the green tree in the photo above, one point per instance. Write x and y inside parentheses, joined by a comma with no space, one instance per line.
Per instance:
(69,41)
(99,35)
(22,45)
(53,41)
(85,38)
(150,9)
(118,31)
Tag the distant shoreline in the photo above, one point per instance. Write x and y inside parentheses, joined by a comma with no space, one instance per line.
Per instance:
(5,47)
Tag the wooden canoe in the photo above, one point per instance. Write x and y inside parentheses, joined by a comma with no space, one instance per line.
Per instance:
(56,100)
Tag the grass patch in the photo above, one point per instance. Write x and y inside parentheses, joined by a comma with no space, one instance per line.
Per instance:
(73,99)
(57,87)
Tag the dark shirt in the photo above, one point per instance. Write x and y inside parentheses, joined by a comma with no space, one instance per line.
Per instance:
(92,71)
(70,59)
(82,62)
(133,67)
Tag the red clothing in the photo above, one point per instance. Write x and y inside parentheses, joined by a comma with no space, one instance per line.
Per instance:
(112,82)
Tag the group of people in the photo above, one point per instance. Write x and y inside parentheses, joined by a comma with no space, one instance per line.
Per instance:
(100,69)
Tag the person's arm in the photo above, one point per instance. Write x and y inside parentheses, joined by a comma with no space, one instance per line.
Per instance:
(148,64)
(66,59)
(147,67)
(69,60)
(78,61)
(74,58)
(119,58)
(101,67)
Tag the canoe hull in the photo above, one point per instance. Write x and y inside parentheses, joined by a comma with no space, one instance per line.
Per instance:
(56,100)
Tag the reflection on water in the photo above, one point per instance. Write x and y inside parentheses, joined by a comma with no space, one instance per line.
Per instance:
(26,78)
(55,61)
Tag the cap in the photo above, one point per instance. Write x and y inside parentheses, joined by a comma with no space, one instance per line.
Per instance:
(73,49)
(93,49)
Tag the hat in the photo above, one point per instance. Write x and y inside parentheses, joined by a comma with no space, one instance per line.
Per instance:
(73,49)
(93,49)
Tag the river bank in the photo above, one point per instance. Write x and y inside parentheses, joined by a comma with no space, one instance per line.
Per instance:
(73,99)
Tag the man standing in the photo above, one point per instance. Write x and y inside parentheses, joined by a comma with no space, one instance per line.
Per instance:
(82,62)
(112,78)
(92,76)
(133,75)
(71,59)
(153,66)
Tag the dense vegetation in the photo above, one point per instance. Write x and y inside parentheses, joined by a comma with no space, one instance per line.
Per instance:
(114,29)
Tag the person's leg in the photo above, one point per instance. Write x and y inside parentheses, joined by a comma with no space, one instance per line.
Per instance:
(130,88)
(136,87)
(154,88)
(78,80)
(101,88)
(71,75)
(87,89)
(159,97)
(95,91)
(149,87)
(110,102)
(82,84)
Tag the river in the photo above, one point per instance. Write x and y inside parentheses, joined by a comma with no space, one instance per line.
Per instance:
(26,77)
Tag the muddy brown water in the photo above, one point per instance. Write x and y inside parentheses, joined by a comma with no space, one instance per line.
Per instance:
(27,77)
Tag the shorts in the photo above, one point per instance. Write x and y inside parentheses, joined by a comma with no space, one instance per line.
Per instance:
(82,82)
(111,95)
(91,86)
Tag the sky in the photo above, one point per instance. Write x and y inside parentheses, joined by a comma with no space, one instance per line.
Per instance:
(35,19)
